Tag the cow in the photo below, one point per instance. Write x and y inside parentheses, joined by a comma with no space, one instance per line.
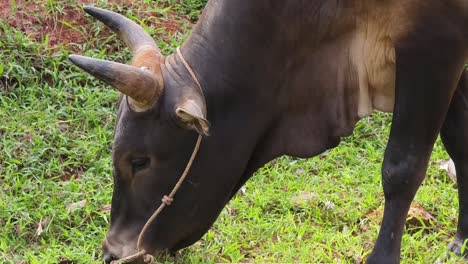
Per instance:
(260,79)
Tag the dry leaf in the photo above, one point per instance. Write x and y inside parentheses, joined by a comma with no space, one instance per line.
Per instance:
(18,229)
(243,189)
(231,211)
(106,208)
(303,197)
(376,215)
(418,214)
(39,229)
(299,171)
(66,261)
(329,205)
(449,167)
(76,205)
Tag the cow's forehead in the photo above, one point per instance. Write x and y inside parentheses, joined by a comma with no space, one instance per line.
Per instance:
(148,132)
(131,127)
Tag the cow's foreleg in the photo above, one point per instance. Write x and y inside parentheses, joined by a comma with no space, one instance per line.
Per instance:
(455,137)
(425,81)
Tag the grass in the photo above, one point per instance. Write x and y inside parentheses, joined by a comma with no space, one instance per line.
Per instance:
(56,127)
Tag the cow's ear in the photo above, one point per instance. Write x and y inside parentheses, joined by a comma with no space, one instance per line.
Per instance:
(192,114)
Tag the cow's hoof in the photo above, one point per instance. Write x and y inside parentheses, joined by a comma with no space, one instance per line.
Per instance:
(456,246)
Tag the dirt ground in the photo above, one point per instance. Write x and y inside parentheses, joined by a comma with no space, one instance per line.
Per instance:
(43,23)
(34,19)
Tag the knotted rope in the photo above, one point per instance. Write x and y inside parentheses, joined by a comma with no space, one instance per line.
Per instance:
(167,199)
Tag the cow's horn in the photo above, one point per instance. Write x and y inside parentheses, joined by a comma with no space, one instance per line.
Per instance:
(133,34)
(143,80)
(137,83)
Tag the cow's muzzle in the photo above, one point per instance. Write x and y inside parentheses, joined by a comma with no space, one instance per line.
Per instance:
(113,249)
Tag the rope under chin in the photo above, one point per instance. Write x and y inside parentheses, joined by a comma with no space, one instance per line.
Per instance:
(167,199)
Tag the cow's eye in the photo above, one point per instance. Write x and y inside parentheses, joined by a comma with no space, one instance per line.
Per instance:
(140,164)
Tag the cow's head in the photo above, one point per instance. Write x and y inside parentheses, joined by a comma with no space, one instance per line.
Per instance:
(160,116)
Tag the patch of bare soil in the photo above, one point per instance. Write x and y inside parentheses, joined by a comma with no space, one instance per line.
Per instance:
(35,19)
(71,24)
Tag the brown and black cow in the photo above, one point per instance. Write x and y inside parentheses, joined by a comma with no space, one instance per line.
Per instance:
(281,78)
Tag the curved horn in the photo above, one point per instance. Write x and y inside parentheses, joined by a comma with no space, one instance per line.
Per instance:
(133,34)
(137,83)
(143,80)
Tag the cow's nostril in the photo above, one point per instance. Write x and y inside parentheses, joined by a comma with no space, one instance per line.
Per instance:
(108,258)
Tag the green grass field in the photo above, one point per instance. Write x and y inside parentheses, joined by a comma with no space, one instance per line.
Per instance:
(56,129)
